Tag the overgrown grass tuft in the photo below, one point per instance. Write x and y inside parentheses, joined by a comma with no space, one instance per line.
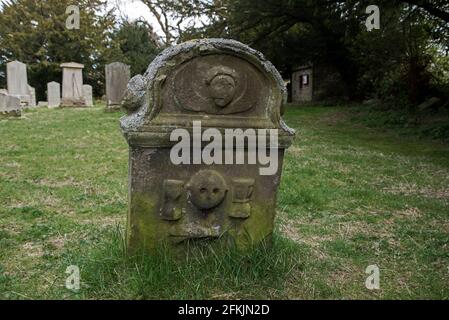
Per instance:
(201,272)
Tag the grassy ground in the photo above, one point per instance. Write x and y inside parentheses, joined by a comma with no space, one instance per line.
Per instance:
(350,197)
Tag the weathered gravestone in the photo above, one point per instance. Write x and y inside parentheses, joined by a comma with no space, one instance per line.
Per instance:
(54,94)
(87,93)
(72,85)
(230,91)
(117,78)
(32,94)
(10,106)
(17,82)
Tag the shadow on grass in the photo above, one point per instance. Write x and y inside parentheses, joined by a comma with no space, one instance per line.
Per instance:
(204,272)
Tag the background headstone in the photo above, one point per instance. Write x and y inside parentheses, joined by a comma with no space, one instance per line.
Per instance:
(3,101)
(17,81)
(117,78)
(43,104)
(87,93)
(10,106)
(32,93)
(72,84)
(54,94)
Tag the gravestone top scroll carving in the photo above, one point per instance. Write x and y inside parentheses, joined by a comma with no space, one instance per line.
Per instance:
(223,80)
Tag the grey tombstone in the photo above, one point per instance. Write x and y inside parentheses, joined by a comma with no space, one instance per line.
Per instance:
(32,94)
(226,86)
(10,106)
(117,78)
(72,84)
(87,94)
(432,103)
(54,94)
(43,104)
(17,81)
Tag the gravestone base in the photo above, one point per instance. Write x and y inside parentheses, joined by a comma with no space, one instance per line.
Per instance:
(113,108)
(71,103)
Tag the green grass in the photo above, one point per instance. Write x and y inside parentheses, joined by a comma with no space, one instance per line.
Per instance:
(351,197)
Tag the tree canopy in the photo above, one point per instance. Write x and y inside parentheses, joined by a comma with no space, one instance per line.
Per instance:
(397,62)
(35,33)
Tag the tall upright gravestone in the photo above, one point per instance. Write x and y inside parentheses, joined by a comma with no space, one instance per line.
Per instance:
(17,81)
(117,78)
(222,86)
(72,85)
(53,94)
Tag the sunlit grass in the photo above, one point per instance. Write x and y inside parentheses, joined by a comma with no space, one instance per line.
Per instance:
(350,197)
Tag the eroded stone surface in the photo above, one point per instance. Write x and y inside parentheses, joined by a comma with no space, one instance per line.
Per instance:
(17,82)
(224,84)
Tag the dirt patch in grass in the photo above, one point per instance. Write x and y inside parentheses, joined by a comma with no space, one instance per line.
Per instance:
(32,250)
(412,189)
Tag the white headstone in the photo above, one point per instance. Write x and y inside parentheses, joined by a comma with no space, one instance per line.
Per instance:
(17,81)
(72,84)
(3,101)
(10,105)
(54,94)
(87,93)
(32,93)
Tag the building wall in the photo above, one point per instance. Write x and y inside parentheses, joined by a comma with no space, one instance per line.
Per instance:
(302,85)
(72,83)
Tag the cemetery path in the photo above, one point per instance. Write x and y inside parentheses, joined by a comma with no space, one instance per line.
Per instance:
(350,197)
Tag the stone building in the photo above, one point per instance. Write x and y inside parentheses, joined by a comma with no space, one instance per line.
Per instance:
(315,83)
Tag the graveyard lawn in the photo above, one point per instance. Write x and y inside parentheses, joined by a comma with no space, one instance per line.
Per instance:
(351,197)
